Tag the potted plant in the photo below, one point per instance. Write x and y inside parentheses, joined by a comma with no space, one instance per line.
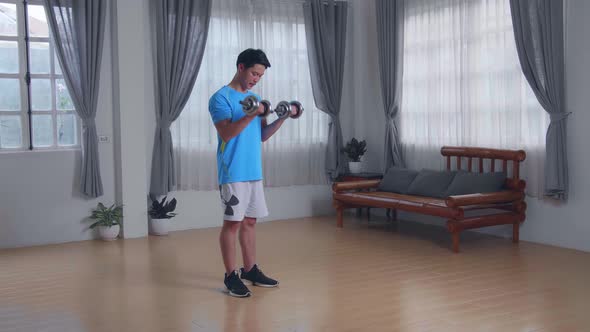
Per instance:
(355,149)
(160,214)
(108,220)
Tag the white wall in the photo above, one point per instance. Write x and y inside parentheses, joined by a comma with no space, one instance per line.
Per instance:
(564,225)
(133,103)
(362,113)
(39,191)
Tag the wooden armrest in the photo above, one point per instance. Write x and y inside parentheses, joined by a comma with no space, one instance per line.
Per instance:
(515,184)
(352,185)
(471,199)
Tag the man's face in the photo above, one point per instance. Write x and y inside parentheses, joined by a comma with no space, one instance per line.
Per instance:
(250,76)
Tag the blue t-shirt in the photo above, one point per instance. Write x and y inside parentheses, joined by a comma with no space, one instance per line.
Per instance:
(239,159)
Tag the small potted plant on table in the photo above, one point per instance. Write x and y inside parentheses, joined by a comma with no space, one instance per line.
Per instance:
(354,150)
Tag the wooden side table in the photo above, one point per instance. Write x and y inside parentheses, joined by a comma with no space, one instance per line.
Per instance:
(345,177)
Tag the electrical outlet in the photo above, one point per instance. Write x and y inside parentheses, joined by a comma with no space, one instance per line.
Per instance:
(104,139)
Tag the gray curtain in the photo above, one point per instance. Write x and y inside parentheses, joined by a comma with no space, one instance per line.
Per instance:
(181,28)
(77,28)
(538,30)
(390,31)
(325,30)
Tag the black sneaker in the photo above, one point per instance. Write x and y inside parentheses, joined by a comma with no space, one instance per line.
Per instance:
(235,286)
(257,278)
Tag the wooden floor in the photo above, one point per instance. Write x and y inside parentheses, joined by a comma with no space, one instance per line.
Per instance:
(359,278)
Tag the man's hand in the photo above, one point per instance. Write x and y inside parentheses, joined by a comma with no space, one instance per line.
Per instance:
(259,111)
(296,109)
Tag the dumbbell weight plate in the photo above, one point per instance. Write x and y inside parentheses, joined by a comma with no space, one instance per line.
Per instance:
(283,109)
(299,108)
(267,108)
(250,104)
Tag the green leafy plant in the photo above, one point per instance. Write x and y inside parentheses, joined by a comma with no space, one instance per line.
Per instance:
(162,209)
(107,216)
(355,149)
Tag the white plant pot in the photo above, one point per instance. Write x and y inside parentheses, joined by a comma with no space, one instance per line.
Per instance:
(108,233)
(159,226)
(355,167)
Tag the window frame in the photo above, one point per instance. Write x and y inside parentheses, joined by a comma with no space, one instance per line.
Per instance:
(25,77)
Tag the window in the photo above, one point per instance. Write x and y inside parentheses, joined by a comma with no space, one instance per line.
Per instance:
(463,85)
(296,153)
(36,111)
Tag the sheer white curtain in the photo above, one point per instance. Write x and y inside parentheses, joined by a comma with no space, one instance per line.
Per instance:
(463,85)
(295,154)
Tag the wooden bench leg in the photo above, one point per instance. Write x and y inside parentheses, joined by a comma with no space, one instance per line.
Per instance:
(454,228)
(392,216)
(339,217)
(515,232)
(455,236)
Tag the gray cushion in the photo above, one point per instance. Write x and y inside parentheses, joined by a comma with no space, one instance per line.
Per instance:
(472,183)
(397,180)
(430,183)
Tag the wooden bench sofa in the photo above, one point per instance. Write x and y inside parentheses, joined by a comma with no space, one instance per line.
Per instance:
(507,206)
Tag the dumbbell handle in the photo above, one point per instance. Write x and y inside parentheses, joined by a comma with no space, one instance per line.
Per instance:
(244,103)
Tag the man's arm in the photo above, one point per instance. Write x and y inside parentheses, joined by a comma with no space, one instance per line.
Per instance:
(270,129)
(228,130)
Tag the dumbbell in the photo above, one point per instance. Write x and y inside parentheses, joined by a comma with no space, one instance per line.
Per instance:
(251,104)
(283,109)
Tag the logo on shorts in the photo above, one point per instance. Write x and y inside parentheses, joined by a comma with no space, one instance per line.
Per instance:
(229,202)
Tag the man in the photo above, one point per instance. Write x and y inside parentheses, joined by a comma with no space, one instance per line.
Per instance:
(239,169)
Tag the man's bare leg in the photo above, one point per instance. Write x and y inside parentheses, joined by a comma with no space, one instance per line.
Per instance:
(248,242)
(227,242)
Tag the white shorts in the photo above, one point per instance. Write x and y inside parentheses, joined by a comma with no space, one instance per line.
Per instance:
(243,199)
